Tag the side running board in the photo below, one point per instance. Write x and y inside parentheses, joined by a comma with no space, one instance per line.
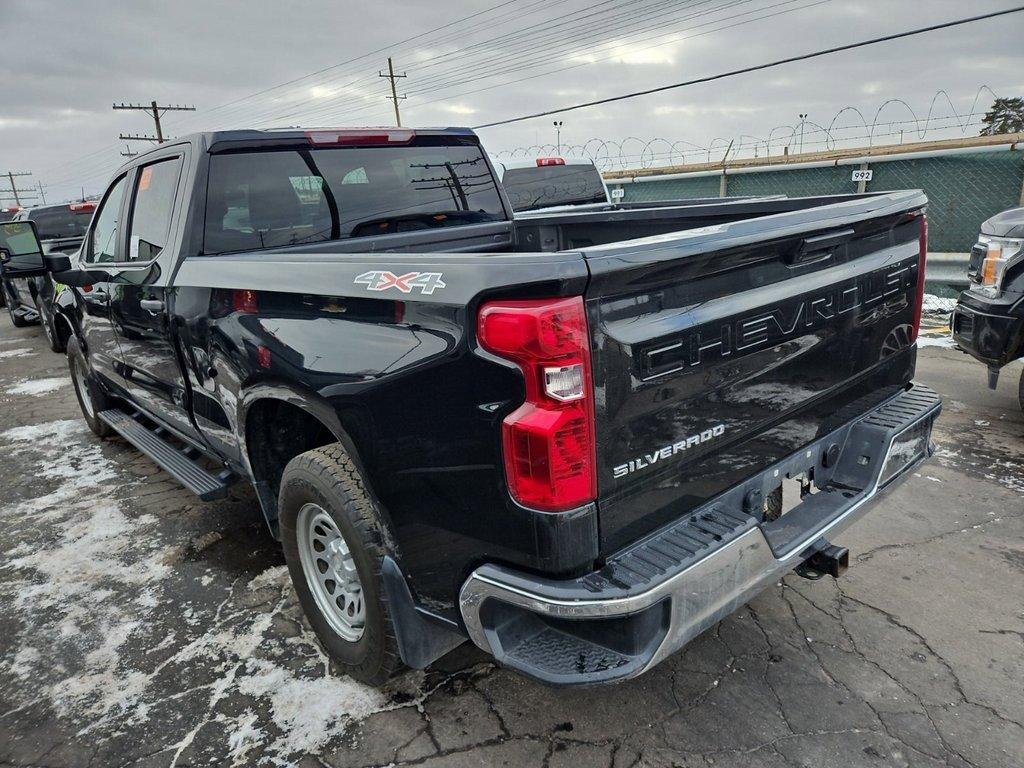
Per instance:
(180,463)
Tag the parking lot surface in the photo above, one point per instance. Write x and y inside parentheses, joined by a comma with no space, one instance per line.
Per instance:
(142,627)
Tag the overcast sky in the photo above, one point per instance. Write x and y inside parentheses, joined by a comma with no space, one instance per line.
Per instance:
(64,63)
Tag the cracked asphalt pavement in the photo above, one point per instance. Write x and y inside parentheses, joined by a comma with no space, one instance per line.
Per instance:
(142,627)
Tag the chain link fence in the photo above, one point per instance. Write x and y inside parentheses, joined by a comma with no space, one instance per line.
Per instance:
(964,188)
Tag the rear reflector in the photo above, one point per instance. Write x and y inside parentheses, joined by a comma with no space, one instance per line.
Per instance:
(364,137)
(542,161)
(922,258)
(549,441)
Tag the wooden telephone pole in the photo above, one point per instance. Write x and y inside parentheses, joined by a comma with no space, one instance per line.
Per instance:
(394,91)
(157,111)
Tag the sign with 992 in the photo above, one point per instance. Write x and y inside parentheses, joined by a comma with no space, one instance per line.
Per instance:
(859,175)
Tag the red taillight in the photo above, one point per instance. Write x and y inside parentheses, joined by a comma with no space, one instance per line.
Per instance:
(245,301)
(542,161)
(82,207)
(549,441)
(922,258)
(364,137)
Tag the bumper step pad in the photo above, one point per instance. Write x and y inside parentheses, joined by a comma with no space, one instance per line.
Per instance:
(172,459)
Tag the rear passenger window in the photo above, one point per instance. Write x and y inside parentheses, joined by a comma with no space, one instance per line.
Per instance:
(153,202)
(268,199)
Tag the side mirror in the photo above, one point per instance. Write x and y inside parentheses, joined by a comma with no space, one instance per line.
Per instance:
(21,254)
(58,262)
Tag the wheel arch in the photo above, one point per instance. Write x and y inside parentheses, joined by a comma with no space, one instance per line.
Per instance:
(276,423)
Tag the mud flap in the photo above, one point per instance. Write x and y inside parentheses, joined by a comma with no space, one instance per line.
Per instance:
(421,641)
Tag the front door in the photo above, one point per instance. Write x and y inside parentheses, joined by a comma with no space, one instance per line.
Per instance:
(103,246)
(140,299)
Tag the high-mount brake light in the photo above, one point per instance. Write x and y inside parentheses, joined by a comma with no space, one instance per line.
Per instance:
(549,442)
(922,258)
(542,161)
(85,207)
(245,300)
(363,137)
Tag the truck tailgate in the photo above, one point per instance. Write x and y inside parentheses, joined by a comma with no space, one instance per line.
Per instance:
(719,351)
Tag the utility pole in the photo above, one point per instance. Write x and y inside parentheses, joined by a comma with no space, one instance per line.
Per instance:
(128,151)
(41,193)
(394,92)
(14,186)
(558,136)
(156,111)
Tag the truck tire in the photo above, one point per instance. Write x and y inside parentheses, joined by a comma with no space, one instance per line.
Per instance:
(1020,391)
(47,320)
(91,398)
(335,540)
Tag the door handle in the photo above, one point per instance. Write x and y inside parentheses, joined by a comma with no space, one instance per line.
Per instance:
(152,305)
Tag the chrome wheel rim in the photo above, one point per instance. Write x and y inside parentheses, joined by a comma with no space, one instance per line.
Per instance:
(330,571)
(83,391)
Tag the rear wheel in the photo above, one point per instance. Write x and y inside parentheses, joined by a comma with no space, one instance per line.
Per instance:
(334,543)
(91,398)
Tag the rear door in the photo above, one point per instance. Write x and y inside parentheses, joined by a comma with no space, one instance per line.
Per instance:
(720,351)
(139,301)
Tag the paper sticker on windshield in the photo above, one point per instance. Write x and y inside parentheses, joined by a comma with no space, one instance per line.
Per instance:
(145,178)
(379,280)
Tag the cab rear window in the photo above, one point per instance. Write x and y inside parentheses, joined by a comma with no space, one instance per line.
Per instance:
(270,199)
(543,186)
(64,221)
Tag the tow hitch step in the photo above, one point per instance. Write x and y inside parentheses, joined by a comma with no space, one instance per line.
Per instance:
(826,560)
(180,463)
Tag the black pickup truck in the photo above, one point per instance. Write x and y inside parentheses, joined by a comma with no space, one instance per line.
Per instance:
(60,229)
(570,438)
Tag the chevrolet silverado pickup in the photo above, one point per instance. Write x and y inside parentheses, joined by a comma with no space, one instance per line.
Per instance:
(570,438)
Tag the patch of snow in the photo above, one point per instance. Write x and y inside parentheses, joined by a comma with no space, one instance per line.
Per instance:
(101,576)
(943,341)
(309,713)
(272,577)
(21,352)
(37,386)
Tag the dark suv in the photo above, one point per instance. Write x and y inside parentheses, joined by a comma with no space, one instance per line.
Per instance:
(61,229)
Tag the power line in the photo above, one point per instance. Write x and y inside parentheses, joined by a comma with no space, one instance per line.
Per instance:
(156,111)
(758,67)
(577,39)
(391,46)
(593,60)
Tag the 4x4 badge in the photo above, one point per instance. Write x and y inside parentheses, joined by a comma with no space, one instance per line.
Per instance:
(379,280)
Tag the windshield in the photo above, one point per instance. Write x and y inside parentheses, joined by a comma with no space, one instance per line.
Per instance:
(60,221)
(543,186)
(267,199)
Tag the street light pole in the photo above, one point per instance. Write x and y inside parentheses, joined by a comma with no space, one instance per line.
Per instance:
(803,117)
(558,136)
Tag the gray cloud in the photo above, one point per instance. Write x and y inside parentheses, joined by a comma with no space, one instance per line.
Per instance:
(64,63)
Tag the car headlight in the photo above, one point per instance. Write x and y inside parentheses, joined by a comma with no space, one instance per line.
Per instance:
(990,259)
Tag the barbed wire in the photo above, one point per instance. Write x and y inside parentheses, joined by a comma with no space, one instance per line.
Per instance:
(634,152)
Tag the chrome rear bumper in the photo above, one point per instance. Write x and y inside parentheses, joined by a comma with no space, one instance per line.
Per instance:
(655,597)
